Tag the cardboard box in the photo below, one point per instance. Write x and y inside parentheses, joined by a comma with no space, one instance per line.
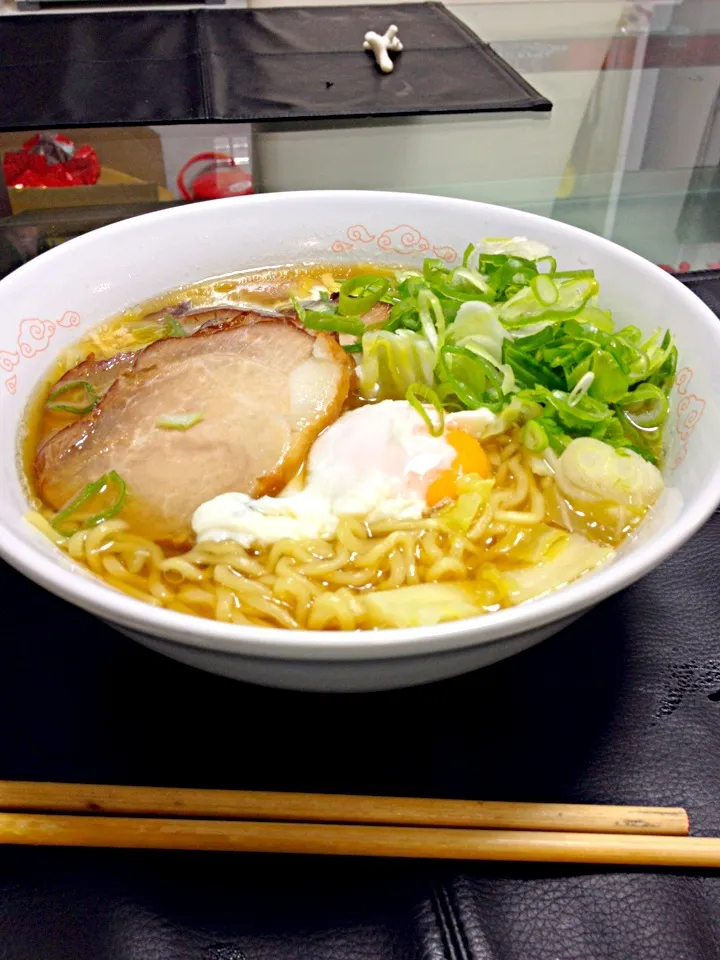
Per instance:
(134,150)
(133,170)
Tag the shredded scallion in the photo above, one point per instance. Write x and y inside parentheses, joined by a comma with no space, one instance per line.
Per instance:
(419,392)
(359,294)
(174,328)
(534,437)
(580,388)
(472,277)
(328,321)
(508,331)
(574,274)
(432,318)
(178,421)
(646,406)
(109,482)
(81,406)
(551,262)
(545,290)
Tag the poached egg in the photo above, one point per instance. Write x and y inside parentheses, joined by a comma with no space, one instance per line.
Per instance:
(377,462)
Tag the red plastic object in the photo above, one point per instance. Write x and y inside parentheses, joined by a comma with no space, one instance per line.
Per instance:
(219,178)
(51,161)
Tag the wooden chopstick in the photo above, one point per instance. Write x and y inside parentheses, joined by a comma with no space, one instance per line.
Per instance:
(366,841)
(338,808)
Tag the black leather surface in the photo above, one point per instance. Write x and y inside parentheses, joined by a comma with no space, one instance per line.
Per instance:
(706,284)
(623,707)
(181,66)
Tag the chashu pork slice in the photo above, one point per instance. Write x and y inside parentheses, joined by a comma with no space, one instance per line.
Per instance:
(265,390)
(101,374)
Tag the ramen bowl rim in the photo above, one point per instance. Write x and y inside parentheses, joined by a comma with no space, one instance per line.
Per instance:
(279,643)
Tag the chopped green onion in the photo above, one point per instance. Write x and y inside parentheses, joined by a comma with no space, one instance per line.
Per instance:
(98,487)
(416,393)
(434,330)
(632,334)
(557,438)
(92,398)
(544,289)
(637,437)
(474,381)
(332,323)
(551,261)
(472,277)
(327,321)
(431,267)
(574,274)
(664,375)
(112,479)
(504,322)
(610,382)
(534,437)
(581,416)
(595,317)
(442,285)
(659,354)
(392,361)
(580,388)
(646,406)
(528,371)
(174,328)
(178,421)
(78,501)
(360,294)
(524,308)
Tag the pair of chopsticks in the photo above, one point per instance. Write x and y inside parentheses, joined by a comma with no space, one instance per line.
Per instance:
(88,815)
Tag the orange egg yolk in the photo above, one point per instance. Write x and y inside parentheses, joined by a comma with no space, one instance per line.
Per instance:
(469,458)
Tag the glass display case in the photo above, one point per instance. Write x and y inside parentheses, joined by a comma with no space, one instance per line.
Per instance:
(631,149)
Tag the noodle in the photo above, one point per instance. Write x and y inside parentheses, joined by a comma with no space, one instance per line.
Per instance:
(320,585)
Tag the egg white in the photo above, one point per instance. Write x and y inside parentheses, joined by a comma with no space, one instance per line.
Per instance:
(374,462)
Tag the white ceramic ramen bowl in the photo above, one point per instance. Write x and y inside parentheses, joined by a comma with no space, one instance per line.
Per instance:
(48,304)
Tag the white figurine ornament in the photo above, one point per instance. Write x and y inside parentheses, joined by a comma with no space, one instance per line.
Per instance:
(383,46)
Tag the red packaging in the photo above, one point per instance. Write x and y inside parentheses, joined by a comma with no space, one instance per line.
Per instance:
(51,160)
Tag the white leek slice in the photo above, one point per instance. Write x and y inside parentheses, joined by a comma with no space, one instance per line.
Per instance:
(592,470)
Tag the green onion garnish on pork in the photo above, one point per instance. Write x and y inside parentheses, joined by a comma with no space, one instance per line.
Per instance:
(178,421)
(359,294)
(174,328)
(328,319)
(83,404)
(73,516)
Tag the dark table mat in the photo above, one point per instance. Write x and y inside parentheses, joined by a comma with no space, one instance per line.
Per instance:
(246,65)
(622,707)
